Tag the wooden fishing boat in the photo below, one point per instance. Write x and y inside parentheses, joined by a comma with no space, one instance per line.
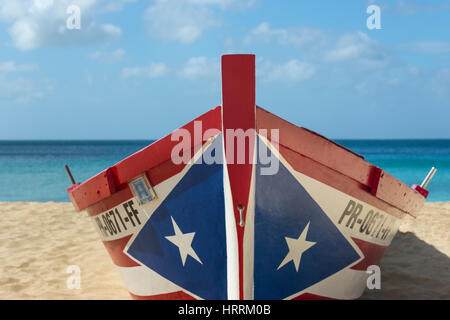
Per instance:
(241,204)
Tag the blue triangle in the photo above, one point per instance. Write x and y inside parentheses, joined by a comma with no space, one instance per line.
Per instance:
(197,205)
(283,209)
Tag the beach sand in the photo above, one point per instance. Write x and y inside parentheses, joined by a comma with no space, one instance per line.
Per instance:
(40,241)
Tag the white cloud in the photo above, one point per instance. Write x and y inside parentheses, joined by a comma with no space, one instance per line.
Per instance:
(20,90)
(14,88)
(111,30)
(42,23)
(291,71)
(193,69)
(299,37)
(431,47)
(440,83)
(411,7)
(199,67)
(108,56)
(17,90)
(359,49)
(185,21)
(179,20)
(89,79)
(155,70)
(349,46)
(317,46)
(11,66)
(115,5)
(225,4)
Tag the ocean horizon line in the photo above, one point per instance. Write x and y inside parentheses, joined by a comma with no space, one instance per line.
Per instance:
(40,163)
(152,140)
(68,201)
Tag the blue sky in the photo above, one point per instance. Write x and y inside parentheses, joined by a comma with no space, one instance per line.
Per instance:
(140,69)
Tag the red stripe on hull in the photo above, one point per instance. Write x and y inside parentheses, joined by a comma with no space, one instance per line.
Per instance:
(178,295)
(339,159)
(238,100)
(115,249)
(155,175)
(336,180)
(372,254)
(104,187)
(164,171)
(161,150)
(315,146)
(111,202)
(310,296)
(395,192)
(157,154)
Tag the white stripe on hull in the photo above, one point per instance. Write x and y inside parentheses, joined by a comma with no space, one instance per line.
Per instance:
(347,284)
(231,238)
(249,239)
(143,281)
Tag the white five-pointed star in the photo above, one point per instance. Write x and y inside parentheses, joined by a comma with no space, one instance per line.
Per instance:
(296,248)
(184,243)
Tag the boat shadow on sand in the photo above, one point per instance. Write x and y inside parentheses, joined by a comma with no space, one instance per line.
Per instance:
(412,269)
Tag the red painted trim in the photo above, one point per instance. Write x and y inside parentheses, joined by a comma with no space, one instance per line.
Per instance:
(164,171)
(398,194)
(155,175)
(115,249)
(158,153)
(238,100)
(111,202)
(69,191)
(178,295)
(336,180)
(102,187)
(310,296)
(420,190)
(316,147)
(337,158)
(372,254)
(376,175)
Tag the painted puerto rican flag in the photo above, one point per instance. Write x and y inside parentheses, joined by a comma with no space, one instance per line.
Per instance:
(294,246)
(183,240)
(228,230)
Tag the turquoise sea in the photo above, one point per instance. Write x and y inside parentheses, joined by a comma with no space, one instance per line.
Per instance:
(34,170)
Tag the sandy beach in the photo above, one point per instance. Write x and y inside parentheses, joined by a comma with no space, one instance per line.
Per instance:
(40,241)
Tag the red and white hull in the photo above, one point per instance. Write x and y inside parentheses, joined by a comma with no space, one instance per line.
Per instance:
(296,217)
